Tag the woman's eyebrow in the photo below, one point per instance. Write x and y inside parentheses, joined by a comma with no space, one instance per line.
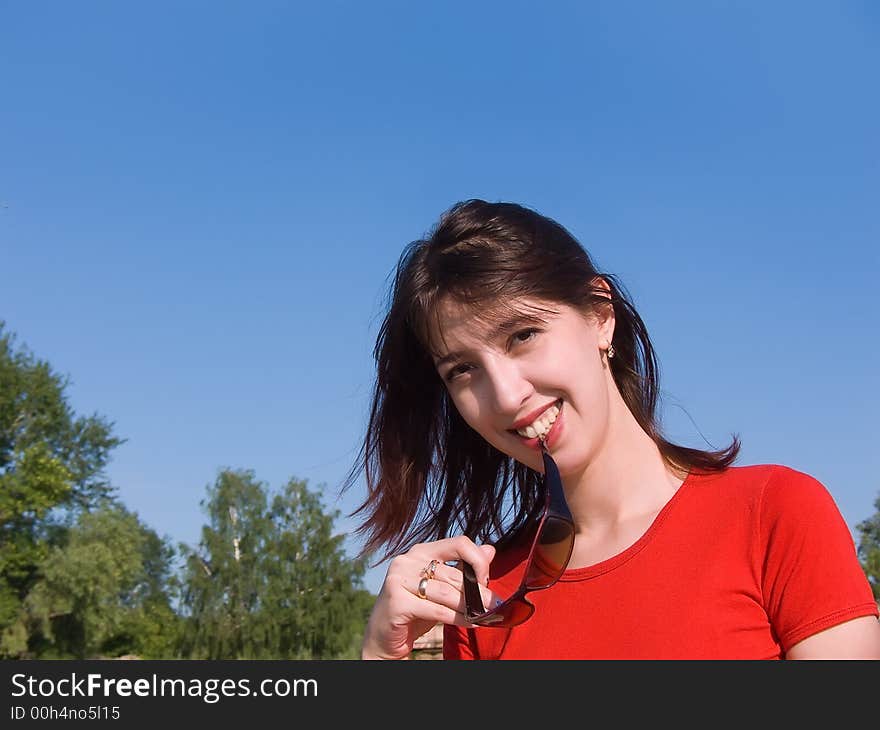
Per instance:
(501,329)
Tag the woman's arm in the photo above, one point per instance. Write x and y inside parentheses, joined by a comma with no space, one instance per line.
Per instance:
(855,639)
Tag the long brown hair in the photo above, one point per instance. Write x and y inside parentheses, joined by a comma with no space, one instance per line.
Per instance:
(428,474)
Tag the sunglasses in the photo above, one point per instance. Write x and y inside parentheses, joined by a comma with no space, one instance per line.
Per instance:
(548,558)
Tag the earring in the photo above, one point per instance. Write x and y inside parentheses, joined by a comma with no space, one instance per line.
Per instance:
(610,351)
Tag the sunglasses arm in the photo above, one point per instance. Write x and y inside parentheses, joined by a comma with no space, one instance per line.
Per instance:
(473,600)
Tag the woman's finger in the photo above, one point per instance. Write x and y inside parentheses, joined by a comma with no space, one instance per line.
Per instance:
(456,548)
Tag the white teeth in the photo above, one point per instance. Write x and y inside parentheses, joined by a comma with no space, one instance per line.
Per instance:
(542,425)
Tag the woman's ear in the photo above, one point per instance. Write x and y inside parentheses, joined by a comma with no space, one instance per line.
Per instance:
(604,313)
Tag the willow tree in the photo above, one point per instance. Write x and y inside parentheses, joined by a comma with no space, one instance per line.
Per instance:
(104,592)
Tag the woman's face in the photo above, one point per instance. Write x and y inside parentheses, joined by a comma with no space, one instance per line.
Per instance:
(549,375)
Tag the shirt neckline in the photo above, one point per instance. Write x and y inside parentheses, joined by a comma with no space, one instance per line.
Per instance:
(615,561)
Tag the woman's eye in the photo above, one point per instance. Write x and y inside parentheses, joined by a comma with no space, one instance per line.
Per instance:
(520,337)
(455,371)
(526,335)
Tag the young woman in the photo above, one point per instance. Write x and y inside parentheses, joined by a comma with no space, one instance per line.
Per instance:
(517,472)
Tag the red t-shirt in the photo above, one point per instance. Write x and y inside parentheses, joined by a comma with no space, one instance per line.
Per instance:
(741,564)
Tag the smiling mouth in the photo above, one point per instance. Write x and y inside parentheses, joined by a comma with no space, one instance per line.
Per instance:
(541,426)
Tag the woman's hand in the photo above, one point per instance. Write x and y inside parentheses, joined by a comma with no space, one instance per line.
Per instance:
(400,615)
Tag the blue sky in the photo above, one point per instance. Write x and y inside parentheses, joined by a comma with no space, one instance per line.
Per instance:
(200,204)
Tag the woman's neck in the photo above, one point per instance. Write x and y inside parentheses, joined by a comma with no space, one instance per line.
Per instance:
(627,479)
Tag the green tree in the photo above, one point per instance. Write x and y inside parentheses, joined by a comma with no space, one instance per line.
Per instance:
(270,580)
(51,468)
(222,580)
(869,548)
(314,595)
(102,592)
(149,627)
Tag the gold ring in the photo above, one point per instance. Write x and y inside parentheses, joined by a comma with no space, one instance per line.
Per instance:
(429,570)
(423,588)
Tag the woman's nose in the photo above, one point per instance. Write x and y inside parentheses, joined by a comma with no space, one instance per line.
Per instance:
(508,389)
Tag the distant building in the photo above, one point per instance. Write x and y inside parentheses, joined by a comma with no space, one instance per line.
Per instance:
(429,645)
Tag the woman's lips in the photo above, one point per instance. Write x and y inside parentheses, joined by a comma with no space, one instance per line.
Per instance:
(552,435)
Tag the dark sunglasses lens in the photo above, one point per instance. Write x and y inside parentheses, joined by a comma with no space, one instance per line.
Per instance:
(552,552)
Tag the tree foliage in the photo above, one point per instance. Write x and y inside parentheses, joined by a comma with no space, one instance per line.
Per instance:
(81,576)
(869,548)
(103,592)
(51,469)
(270,579)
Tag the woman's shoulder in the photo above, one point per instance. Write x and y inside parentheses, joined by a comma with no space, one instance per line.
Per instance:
(774,487)
(761,477)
